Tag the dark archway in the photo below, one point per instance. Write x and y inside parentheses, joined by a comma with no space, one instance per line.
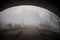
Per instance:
(48,4)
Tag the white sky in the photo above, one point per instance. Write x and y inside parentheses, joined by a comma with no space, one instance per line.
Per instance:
(31,15)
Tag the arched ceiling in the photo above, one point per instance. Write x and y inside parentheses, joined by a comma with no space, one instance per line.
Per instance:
(45,4)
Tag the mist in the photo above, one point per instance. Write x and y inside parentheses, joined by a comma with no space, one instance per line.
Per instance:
(30,15)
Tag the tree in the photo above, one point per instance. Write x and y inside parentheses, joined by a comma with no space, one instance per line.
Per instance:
(9,26)
(0,26)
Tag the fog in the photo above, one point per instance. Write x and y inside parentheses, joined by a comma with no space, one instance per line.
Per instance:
(29,15)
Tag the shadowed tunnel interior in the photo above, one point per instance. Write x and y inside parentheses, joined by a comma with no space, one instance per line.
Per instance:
(29,32)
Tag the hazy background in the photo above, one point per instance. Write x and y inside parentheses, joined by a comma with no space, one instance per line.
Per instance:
(30,15)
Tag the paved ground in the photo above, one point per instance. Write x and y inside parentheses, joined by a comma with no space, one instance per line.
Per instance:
(30,34)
